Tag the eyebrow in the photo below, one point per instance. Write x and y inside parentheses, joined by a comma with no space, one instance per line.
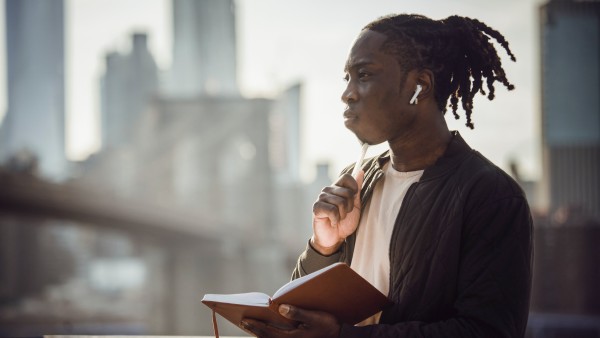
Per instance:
(358,64)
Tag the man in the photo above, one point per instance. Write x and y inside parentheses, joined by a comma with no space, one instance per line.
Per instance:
(437,227)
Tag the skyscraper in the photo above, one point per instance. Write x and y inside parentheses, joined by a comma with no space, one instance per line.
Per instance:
(35,120)
(284,141)
(204,48)
(570,55)
(130,82)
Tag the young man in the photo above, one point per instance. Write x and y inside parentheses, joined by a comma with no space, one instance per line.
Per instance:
(436,226)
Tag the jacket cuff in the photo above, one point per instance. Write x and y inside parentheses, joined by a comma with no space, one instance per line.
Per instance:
(351,331)
(311,260)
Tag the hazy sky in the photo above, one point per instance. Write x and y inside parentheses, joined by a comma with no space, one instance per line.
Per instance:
(281,42)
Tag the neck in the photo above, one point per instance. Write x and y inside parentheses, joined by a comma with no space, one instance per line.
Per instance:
(421,147)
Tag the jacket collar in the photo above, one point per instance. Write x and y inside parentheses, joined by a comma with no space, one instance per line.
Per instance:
(455,153)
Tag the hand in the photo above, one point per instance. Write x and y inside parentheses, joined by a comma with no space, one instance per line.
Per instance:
(336,213)
(312,324)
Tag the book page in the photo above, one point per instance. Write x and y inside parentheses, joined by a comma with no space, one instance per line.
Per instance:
(336,289)
(250,298)
(299,281)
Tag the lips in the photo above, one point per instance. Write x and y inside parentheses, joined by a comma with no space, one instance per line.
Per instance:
(349,114)
(350,119)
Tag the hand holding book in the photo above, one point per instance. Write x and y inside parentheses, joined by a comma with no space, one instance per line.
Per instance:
(335,289)
(312,324)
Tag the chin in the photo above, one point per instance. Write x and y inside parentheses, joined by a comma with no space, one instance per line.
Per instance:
(350,123)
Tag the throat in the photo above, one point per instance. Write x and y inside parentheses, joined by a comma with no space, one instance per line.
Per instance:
(412,157)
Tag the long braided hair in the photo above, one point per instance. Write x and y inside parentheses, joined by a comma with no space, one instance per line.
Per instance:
(457,50)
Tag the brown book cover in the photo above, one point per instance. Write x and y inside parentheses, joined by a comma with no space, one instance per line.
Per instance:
(336,289)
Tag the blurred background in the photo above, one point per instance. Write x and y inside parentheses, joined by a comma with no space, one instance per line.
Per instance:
(152,151)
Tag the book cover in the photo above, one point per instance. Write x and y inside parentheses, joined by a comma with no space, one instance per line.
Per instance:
(336,289)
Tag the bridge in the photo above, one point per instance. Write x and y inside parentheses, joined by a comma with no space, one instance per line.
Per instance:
(200,254)
(28,195)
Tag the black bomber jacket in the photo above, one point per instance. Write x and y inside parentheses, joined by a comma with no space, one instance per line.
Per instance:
(460,252)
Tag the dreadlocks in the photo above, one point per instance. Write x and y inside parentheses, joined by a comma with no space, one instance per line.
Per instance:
(457,50)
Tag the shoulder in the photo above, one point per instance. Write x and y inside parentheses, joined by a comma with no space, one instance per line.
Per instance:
(488,179)
(490,191)
(494,207)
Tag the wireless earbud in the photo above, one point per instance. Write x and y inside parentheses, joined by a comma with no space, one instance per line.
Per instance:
(414,99)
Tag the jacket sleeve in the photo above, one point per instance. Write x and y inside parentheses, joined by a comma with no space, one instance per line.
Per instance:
(494,279)
(310,260)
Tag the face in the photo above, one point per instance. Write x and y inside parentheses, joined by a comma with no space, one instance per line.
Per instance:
(376,97)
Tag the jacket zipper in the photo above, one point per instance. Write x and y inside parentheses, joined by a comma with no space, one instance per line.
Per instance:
(403,209)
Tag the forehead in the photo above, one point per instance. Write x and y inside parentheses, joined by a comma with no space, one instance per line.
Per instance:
(366,49)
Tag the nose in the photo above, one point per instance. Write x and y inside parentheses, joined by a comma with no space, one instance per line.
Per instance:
(349,95)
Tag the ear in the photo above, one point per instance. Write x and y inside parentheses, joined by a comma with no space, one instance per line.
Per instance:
(426,79)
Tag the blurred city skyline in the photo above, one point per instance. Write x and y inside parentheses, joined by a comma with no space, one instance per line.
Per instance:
(196,185)
(277,46)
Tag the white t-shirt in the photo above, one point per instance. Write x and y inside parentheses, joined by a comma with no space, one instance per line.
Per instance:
(371,252)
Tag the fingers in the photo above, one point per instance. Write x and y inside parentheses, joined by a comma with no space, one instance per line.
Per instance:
(310,324)
(262,329)
(306,318)
(323,323)
(340,196)
(360,177)
(298,314)
(332,207)
(337,200)
(347,181)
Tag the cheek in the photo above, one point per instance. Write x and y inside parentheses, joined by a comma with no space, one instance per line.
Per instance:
(391,115)
(382,97)
(389,106)
(381,106)
(382,121)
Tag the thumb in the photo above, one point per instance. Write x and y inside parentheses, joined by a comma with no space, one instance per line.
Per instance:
(291,312)
(360,177)
(298,314)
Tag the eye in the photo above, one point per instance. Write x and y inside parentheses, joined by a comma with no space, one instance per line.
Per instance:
(346,78)
(363,75)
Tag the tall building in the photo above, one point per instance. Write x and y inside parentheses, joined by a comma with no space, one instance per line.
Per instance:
(204,42)
(35,120)
(199,145)
(570,56)
(565,301)
(130,82)
(284,143)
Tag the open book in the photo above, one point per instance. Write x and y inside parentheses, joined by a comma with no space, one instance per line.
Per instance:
(336,289)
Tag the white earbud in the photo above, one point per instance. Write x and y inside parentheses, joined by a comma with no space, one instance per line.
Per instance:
(414,99)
